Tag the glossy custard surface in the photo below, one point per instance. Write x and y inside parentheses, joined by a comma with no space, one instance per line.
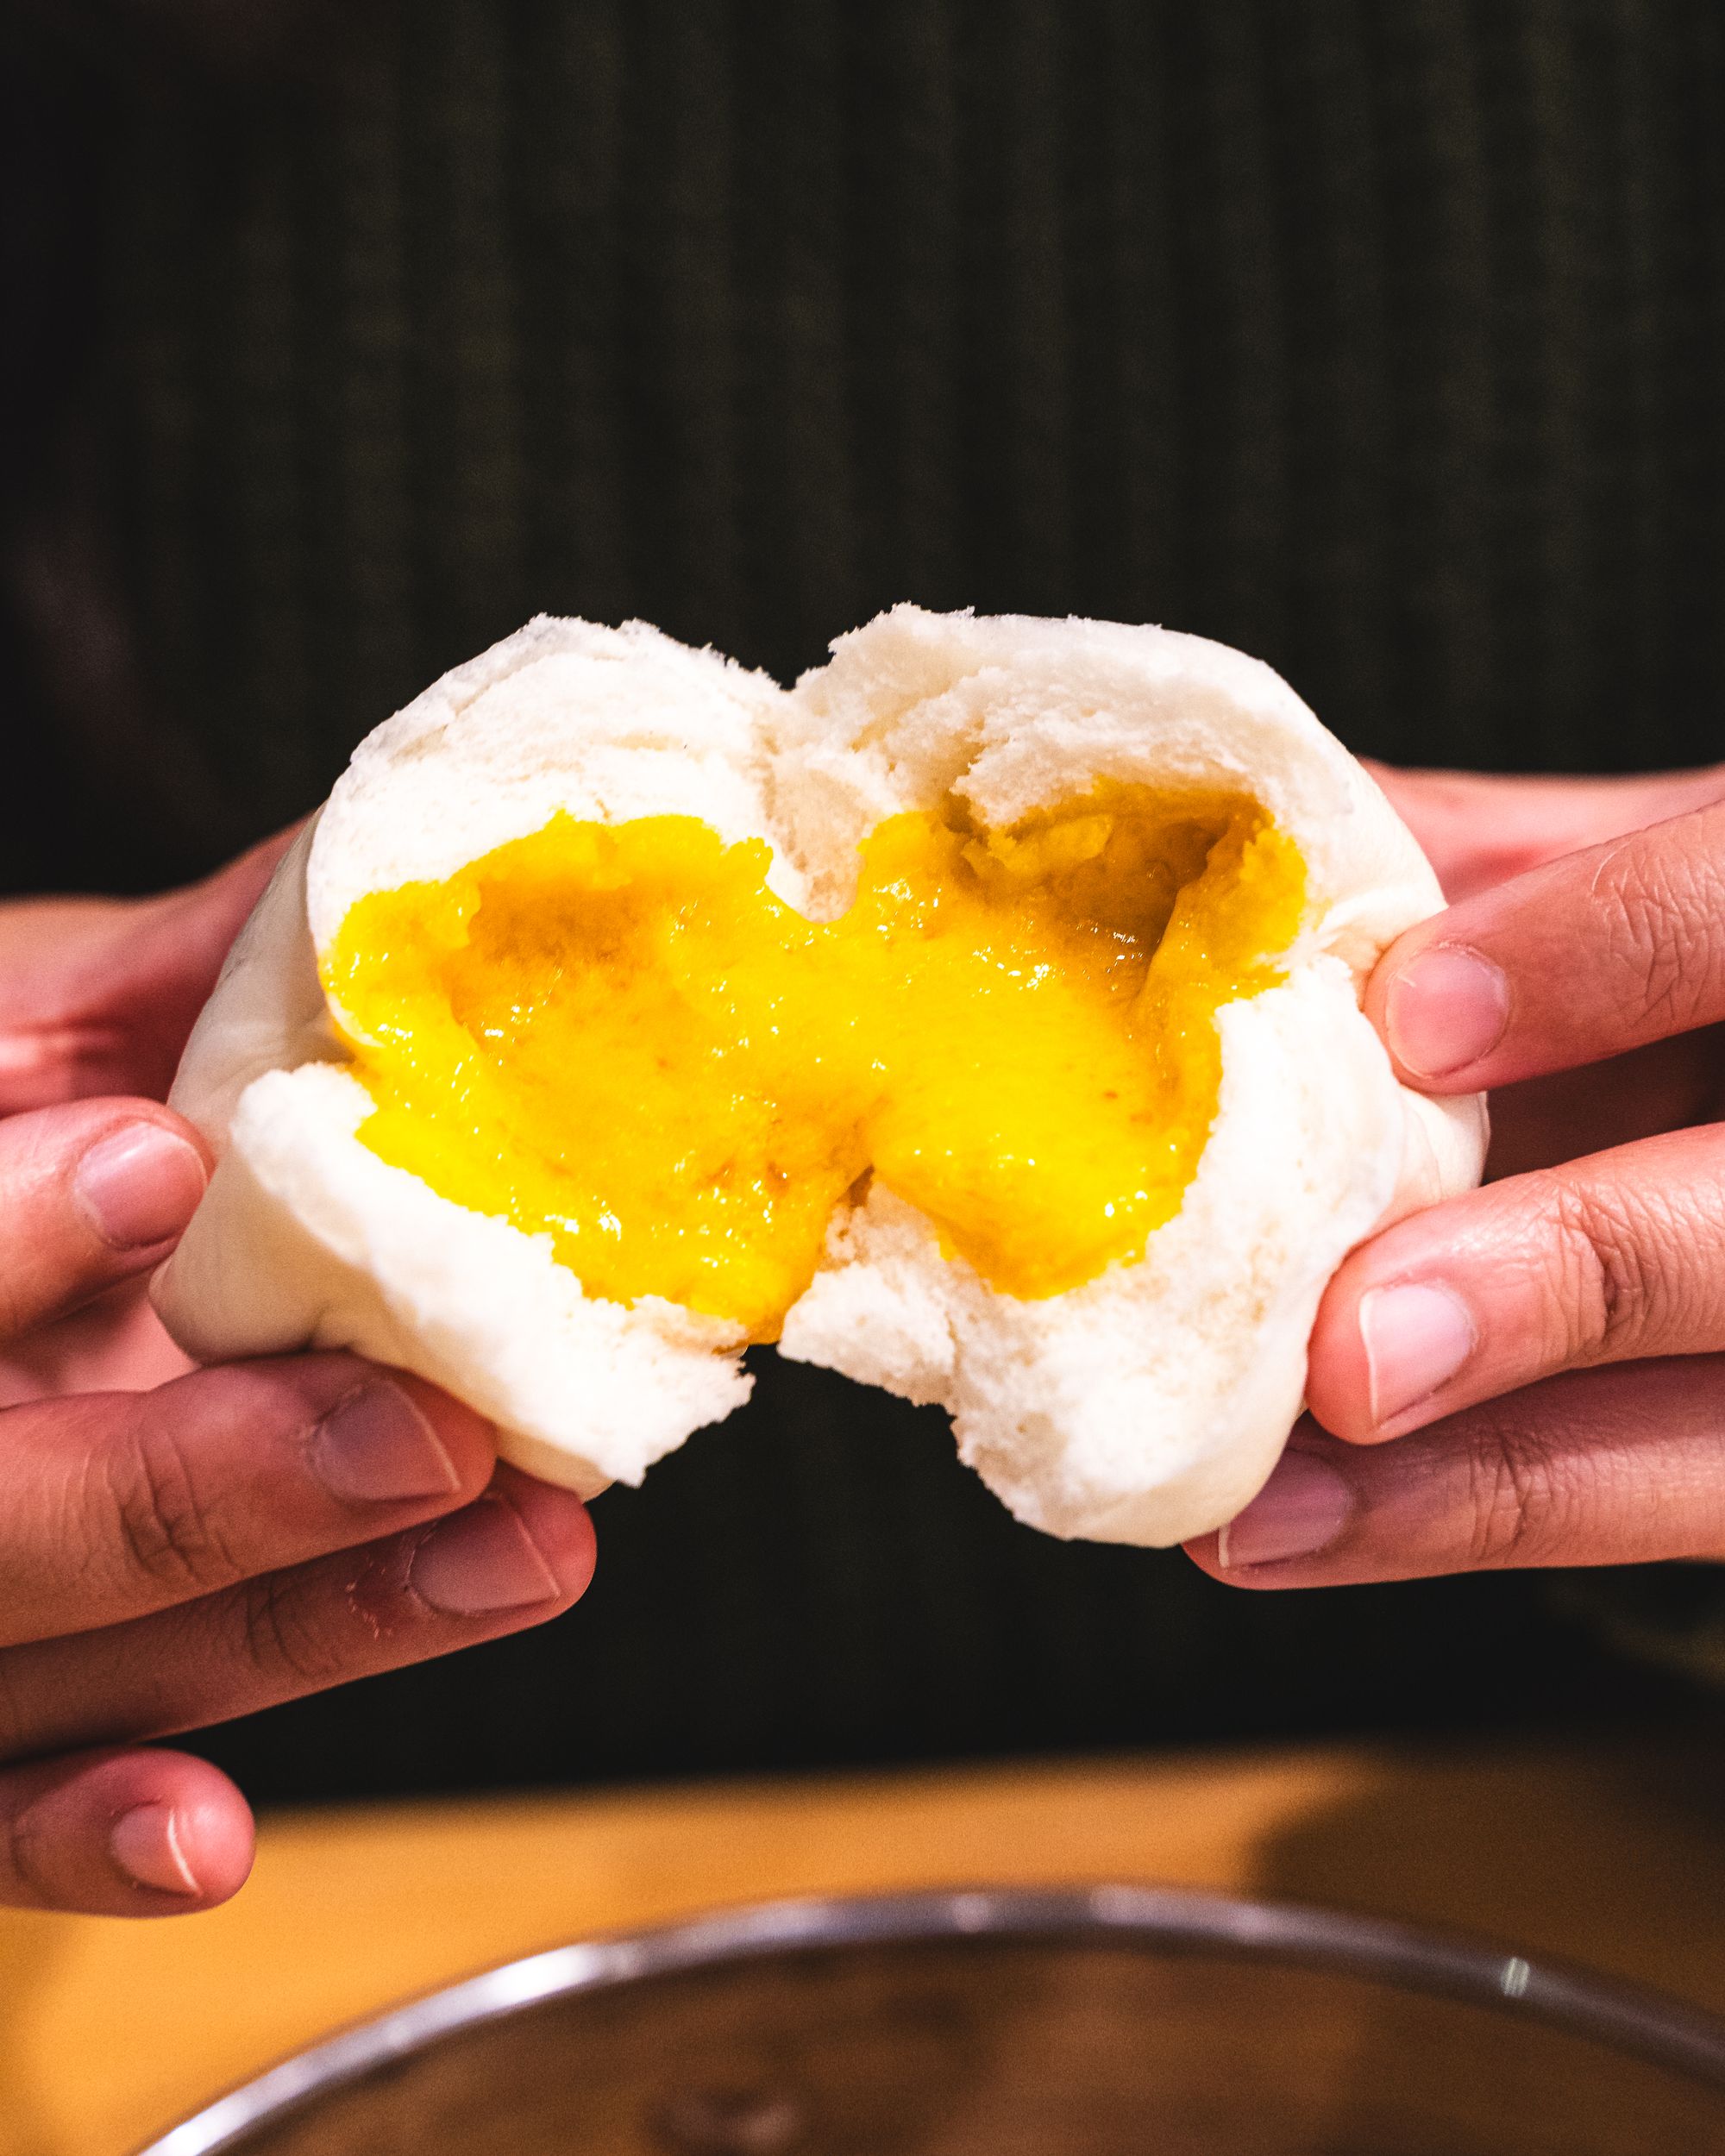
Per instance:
(618,1035)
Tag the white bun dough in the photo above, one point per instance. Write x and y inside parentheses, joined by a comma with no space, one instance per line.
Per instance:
(1146,1407)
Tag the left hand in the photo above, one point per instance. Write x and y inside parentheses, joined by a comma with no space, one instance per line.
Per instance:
(175,1553)
(96,997)
(1548,1351)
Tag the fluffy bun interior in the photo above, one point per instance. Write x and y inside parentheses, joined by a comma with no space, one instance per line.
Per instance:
(461,1052)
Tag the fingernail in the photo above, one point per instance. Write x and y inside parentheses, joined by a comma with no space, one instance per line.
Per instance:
(1300,1510)
(1417,1336)
(1445,1010)
(375,1447)
(139,1185)
(145,1843)
(483,1559)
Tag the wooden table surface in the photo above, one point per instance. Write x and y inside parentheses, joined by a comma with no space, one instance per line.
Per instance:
(1611,1853)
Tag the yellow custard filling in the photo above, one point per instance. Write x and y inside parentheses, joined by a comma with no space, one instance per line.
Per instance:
(618,1035)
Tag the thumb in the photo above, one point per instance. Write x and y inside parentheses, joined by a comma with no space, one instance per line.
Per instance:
(97,995)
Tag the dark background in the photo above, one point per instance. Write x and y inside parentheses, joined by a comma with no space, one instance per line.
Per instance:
(1384,341)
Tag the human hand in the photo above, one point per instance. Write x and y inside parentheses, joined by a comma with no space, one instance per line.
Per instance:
(233,1537)
(96,996)
(1545,1351)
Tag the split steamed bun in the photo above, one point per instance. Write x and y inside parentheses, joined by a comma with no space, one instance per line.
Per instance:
(1144,1404)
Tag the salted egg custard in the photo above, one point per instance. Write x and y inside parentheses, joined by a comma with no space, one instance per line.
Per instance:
(979,1019)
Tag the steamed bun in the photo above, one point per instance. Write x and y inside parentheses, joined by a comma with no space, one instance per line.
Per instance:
(1144,1404)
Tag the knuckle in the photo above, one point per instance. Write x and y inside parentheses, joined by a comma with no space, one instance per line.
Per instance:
(1523,1499)
(169,1532)
(281,1638)
(1657,901)
(1601,1284)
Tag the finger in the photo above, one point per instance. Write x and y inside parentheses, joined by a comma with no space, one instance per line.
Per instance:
(116,1343)
(121,1833)
(1577,960)
(1666,1086)
(1600,1467)
(97,995)
(116,1504)
(1608,1259)
(516,1556)
(1478,828)
(89,1194)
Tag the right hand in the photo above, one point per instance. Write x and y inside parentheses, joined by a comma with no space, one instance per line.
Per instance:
(1546,1352)
(234,1537)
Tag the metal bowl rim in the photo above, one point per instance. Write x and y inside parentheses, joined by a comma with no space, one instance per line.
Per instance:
(1165,1920)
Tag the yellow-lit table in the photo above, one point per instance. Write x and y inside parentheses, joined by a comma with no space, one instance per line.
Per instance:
(1614,1856)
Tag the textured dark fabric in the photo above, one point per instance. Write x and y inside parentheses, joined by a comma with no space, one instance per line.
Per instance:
(1382,340)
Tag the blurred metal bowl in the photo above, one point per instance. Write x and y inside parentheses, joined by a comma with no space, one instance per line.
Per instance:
(1060,2023)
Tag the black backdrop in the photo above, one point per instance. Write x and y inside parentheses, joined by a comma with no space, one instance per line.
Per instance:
(1384,341)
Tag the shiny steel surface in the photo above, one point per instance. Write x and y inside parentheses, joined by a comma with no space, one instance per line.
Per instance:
(1161,1922)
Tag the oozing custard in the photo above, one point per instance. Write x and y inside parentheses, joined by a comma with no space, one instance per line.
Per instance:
(618,1035)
